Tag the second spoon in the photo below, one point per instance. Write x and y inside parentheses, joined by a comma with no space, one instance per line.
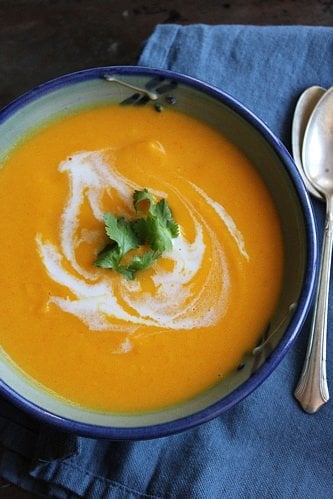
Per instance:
(317,158)
(304,108)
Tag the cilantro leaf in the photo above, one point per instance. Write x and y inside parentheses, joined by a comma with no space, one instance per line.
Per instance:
(140,198)
(156,229)
(139,226)
(120,231)
(127,272)
(159,227)
(109,257)
(162,210)
(158,236)
(142,262)
(164,214)
(173,228)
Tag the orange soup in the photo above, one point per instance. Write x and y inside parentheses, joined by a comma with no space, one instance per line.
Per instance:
(90,335)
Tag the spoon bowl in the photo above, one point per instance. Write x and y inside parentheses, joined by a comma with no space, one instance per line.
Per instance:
(304,108)
(318,146)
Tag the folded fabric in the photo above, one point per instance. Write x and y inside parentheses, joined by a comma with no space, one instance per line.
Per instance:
(266,446)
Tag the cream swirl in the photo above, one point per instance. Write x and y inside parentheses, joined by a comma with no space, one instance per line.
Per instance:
(173,304)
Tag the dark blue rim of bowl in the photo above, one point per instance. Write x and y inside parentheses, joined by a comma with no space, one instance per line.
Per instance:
(292,331)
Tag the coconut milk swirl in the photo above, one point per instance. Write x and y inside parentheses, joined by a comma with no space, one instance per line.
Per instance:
(172,305)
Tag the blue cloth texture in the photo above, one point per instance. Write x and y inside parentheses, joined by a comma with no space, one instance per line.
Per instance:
(266,446)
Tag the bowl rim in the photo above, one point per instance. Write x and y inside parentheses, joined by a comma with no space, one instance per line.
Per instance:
(304,302)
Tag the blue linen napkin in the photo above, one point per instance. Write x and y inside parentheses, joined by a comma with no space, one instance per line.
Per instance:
(266,446)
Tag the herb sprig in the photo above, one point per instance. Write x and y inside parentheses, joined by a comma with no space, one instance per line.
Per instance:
(154,228)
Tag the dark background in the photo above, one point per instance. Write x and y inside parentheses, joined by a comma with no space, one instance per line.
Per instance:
(43,39)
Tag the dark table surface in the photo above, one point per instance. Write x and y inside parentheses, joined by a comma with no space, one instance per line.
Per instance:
(43,39)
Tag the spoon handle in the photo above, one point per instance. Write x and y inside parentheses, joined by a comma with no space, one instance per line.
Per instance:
(312,390)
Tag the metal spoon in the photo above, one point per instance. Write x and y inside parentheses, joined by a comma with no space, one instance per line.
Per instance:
(317,158)
(304,108)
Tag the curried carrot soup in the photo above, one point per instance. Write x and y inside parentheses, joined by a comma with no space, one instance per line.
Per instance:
(106,341)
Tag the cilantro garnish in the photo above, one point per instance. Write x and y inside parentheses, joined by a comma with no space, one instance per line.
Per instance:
(155,228)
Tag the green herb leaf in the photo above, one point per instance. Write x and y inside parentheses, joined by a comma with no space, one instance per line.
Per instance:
(109,257)
(159,227)
(156,229)
(164,214)
(142,262)
(139,227)
(139,197)
(158,236)
(121,231)
(127,272)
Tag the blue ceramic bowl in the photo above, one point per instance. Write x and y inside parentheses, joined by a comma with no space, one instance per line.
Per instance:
(268,155)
